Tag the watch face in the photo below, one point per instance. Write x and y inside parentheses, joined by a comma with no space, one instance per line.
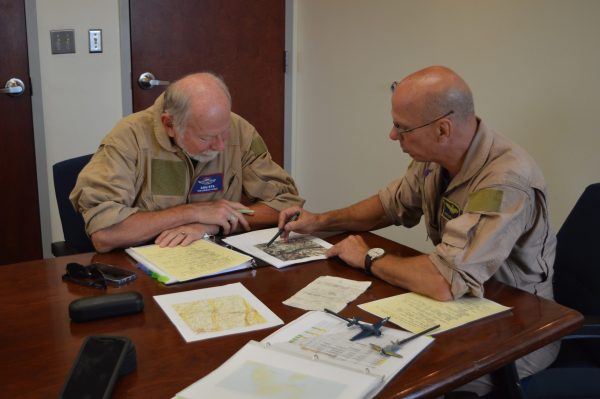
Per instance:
(375,252)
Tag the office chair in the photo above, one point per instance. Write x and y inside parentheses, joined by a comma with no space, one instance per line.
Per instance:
(576,371)
(76,240)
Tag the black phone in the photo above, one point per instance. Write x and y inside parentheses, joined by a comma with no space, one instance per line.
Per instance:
(96,368)
(114,275)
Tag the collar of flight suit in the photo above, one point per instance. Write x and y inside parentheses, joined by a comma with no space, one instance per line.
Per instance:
(160,133)
(476,155)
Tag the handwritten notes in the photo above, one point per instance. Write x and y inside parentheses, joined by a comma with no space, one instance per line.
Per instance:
(199,259)
(416,312)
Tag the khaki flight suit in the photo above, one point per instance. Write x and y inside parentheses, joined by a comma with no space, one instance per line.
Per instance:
(491,221)
(138,168)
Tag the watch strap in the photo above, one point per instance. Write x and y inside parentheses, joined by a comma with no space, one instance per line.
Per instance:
(368,264)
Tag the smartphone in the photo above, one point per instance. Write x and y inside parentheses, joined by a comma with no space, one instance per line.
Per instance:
(96,368)
(115,275)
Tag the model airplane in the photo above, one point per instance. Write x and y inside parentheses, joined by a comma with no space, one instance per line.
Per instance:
(392,348)
(367,330)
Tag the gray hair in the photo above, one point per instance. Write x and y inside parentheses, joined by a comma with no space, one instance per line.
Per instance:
(177,99)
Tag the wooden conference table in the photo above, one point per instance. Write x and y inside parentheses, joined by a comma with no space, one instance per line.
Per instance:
(38,342)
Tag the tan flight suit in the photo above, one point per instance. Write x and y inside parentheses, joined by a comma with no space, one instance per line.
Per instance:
(138,168)
(491,221)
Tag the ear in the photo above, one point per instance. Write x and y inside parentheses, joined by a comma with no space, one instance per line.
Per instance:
(444,131)
(167,122)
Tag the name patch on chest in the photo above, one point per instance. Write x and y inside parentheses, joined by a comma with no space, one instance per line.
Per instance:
(450,210)
(208,184)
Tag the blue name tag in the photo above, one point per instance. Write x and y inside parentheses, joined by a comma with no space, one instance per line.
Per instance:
(208,184)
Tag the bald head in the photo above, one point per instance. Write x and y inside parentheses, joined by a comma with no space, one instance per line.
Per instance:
(434,91)
(205,94)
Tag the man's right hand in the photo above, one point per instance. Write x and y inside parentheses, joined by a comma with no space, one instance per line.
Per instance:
(222,213)
(306,222)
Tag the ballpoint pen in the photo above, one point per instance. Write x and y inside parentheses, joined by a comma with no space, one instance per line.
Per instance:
(281,230)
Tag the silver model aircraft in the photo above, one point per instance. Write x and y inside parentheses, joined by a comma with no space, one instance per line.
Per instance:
(392,348)
(367,330)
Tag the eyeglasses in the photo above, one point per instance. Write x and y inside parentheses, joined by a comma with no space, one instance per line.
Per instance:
(88,276)
(399,130)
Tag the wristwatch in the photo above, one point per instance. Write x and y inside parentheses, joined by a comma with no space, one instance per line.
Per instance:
(372,254)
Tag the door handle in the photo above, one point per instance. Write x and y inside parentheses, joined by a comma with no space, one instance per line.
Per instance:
(13,87)
(147,81)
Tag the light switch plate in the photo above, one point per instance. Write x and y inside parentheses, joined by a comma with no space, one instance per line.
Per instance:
(95,40)
(62,41)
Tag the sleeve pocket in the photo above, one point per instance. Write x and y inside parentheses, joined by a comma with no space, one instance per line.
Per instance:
(458,231)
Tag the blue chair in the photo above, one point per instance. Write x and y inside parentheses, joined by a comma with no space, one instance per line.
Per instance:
(576,371)
(76,240)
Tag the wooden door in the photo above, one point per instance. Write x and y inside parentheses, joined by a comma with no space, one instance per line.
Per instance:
(20,232)
(241,40)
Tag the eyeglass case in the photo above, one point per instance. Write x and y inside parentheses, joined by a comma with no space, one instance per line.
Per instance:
(109,305)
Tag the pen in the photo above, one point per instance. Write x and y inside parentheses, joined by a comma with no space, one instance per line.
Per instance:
(405,340)
(281,230)
(246,211)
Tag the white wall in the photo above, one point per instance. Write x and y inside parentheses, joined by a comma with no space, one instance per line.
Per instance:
(533,68)
(80,92)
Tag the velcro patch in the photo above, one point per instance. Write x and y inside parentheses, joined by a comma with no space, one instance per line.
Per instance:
(487,200)
(258,146)
(450,210)
(168,177)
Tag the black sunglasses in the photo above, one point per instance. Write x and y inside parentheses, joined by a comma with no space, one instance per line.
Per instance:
(88,276)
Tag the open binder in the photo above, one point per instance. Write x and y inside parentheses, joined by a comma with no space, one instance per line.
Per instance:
(311,356)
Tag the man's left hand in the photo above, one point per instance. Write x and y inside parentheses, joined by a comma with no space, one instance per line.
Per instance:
(351,250)
(183,235)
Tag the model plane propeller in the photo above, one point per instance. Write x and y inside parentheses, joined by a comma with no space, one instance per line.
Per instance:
(367,330)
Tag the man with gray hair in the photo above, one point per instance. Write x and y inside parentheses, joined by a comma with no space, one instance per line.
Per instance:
(482,196)
(178,170)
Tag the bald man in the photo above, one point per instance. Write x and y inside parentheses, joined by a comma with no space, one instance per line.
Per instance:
(482,196)
(177,171)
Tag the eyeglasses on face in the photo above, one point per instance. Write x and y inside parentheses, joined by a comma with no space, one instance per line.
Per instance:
(399,130)
(87,276)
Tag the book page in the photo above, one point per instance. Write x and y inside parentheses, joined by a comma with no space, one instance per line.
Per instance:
(416,312)
(258,371)
(322,336)
(200,258)
(299,248)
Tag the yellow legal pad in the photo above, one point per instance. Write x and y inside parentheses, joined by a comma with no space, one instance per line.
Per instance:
(201,258)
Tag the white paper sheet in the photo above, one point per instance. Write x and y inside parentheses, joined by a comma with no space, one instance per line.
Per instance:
(217,311)
(329,292)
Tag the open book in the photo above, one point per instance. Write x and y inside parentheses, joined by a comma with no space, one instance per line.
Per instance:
(201,258)
(312,357)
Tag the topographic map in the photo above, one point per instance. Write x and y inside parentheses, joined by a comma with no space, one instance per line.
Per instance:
(218,314)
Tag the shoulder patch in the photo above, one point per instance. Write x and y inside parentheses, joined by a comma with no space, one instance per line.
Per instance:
(449,209)
(258,146)
(487,200)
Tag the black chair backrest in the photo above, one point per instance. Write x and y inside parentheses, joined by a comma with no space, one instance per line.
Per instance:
(577,265)
(65,175)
